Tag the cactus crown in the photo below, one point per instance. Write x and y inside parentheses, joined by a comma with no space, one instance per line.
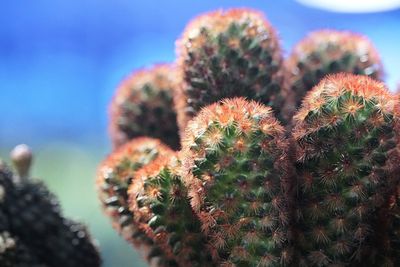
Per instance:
(221,21)
(227,54)
(356,92)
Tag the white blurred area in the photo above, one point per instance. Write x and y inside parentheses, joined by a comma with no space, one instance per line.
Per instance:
(353,6)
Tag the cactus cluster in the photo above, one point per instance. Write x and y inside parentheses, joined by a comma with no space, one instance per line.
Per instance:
(283,162)
(33,231)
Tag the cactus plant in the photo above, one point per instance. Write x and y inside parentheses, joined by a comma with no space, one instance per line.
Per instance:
(236,169)
(143,105)
(161,208)
(326,52)
(33,230)
(244,191)
(226,54)
(343,134)
(115,175)
(13,252)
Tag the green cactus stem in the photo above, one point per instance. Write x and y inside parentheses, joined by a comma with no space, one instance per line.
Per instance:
(115,175)
(236,169)
(343,133)
(143,106)
(221,54)
(161,206)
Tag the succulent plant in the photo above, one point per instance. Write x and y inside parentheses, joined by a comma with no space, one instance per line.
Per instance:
(226,54)
(344,133)
(13,252)
(245,191)
(115,175)
(143,106)
(33,230)
(236,170)
(161,207)
(326,52)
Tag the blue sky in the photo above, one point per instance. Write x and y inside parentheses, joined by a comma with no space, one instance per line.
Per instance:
(61,60)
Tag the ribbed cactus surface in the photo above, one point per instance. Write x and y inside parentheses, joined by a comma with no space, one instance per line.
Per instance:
(235,167)
(326,52)
(143,106)
(226,54)
(343,134)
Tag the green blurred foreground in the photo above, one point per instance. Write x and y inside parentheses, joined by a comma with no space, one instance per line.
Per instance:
(69,170)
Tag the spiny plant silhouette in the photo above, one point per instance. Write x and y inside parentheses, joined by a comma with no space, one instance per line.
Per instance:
(283,162)
(33,231)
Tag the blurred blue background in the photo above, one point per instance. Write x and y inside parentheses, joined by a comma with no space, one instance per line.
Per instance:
(61,60)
